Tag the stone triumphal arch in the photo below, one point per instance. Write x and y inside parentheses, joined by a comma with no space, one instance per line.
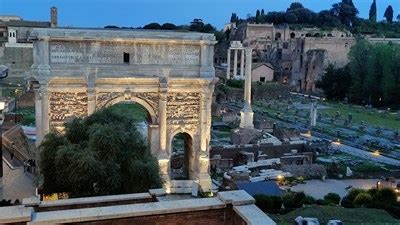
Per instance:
(171,74)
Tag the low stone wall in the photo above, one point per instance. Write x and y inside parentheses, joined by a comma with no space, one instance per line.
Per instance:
(273,151)
(229,208)
(233,152)
(89,202)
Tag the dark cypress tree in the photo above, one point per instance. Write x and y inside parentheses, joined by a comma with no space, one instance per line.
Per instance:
(372,12)
(389,14)
(262,12)
(258,16)
(233,17)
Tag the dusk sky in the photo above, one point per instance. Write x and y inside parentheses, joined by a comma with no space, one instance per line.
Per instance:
(99,13)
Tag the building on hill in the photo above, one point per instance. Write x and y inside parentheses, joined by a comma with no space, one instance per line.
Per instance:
(262,72)
(299,57)
(16,49)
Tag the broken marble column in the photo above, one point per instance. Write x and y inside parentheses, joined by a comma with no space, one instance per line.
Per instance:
(246,114)
(313,114)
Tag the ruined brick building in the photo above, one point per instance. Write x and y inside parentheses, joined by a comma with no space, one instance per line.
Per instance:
(299,57)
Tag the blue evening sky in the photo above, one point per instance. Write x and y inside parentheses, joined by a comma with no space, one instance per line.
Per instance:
(99,13)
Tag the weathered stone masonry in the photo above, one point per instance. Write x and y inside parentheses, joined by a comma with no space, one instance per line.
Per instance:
(170,74)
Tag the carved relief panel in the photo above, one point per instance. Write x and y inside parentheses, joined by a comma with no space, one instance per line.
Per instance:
(66,105)
(183,108)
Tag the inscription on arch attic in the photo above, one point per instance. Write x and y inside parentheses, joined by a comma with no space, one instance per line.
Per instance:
(84,52)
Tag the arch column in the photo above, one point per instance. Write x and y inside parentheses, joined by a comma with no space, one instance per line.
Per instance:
(38,115)
(163,155)
(91,104)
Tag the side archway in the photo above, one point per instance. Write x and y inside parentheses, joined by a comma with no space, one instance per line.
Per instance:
(182,157)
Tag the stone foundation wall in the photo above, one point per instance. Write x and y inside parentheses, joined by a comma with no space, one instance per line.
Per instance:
(229,208)
(270,150)
(209,217)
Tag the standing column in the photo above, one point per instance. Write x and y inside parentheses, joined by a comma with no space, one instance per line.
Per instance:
(163,123)
(248,78)
(228,61)
(242,65)
(235,55)
(162,156)
(203,121)
(246,114)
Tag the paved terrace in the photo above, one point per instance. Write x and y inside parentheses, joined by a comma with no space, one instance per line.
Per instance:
(233,207)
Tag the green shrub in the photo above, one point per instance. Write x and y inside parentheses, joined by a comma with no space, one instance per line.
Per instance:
(269,204)
(276,202)
(308,200)
(288,201)
(321,202)
(263,202)
(362,199)
(346,202)
(332,198)
(296,200)
(299,198)
(353,193)
(235,83)
(386,196)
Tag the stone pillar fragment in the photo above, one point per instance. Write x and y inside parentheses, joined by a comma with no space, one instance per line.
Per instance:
(246,114)
(313,114)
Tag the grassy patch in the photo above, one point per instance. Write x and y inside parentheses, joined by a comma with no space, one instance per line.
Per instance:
(360,114)
(346,215)
(28,113)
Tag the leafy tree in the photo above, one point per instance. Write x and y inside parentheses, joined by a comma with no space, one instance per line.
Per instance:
(102,154)
(169,26)
(332,198)
(291,17)
(198,26)
(295,5)
(275,17)
(326,18)
(152,26)
(262,12)
(372,12)
(345,11)
(389,14)
(358,56)
(335,82)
